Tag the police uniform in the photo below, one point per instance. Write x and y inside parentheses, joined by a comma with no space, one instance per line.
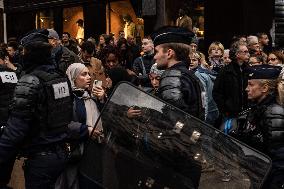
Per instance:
(8,81)
(264,127)
(178,85)
(39,118)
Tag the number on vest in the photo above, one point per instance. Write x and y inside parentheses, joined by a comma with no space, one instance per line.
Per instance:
(8,77)
(61,90)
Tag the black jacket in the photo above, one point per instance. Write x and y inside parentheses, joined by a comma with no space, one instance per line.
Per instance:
(264,130)
(6,93)
(181,88)
(229,90)
(22,131)
(147,61)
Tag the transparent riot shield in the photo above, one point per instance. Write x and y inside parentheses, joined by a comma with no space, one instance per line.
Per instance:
(160,146)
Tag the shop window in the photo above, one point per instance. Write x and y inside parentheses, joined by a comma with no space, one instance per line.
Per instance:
(44,19)
(70,16)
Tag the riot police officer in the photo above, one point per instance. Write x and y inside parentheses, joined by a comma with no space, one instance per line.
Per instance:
(38,122)
(8,81)
(264,126)
(178,85)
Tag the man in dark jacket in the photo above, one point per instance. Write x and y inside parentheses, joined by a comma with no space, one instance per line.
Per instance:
(68,43)
(178,85)
(229,87)
(143,64)
(62,57)
(39,118)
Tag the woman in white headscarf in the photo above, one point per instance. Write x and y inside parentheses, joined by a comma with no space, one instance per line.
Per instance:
(86,111)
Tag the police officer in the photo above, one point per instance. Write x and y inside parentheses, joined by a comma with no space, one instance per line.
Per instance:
(41,111)
(264,126)
(8,81)
(178,85)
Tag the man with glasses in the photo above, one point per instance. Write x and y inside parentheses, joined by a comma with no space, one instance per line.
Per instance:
(229,87)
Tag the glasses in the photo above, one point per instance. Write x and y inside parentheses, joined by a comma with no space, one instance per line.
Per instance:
(244,52)
(272,59)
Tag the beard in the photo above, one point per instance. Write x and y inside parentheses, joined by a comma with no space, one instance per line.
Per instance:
(162,66)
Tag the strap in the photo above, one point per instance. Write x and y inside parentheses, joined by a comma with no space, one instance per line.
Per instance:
(143,66)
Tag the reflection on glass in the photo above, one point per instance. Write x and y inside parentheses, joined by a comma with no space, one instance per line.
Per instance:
(159,149)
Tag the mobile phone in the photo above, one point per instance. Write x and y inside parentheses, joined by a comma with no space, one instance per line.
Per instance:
(97,83)
(136,107)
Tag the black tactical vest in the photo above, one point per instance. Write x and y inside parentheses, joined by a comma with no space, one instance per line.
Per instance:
(170,86)
(8,81)
(56,107)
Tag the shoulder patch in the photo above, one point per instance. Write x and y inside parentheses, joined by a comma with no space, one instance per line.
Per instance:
(8,77)
(61,90)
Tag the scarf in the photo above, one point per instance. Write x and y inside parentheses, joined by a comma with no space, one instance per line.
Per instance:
(92,111)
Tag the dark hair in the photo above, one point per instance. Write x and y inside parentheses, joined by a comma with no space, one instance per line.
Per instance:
(259,57)
(279,55)
(181,50)
(3,54)
(235,47)
(13,44)
(259,35)
(88,46)
(121,42)
(67,33)
(80,22)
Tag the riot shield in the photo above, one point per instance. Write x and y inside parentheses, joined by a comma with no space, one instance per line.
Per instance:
(163,147)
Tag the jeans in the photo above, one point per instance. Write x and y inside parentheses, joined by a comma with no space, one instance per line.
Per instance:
(42,169)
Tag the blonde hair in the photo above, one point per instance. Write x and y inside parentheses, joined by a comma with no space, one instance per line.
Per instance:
(280,90)
(216,45)
(276,86)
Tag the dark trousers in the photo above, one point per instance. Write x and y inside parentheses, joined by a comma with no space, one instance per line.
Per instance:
(42,169)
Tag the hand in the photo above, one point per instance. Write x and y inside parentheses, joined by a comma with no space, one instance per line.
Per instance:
(98,92)
(108,83)
(9,64)
(130,72)
(132,113)
(96,134)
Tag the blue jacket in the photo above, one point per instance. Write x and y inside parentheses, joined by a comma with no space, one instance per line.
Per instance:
(206,80)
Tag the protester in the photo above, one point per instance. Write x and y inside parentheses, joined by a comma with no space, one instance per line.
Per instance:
(229,87)
(206,77)
(143,64)
(86,111)
(155,77)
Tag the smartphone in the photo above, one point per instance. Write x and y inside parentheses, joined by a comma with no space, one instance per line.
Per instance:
(97,83)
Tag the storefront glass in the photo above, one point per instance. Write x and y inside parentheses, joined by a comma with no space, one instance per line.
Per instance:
(45,19)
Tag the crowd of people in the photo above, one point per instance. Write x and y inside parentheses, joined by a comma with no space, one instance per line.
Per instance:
(50,96)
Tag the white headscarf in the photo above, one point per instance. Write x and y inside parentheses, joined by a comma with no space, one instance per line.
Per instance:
(73,71)
(92,112)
